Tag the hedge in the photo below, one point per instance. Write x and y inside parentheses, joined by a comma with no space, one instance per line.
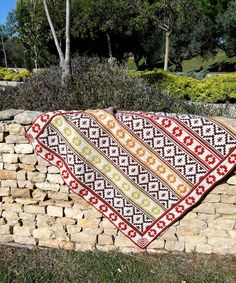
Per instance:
(217,88)
(11,75)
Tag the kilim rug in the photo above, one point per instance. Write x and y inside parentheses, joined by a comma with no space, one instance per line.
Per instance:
(143,171)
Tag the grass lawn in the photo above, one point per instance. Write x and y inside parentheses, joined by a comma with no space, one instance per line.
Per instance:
(47,265)
(196,62)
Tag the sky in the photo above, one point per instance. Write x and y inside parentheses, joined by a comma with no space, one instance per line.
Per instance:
(5,7)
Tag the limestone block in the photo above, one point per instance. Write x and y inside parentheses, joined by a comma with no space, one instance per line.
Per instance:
(94,231)
(6,238)
(232,190)
(10,158)
(88,223)
(18,139)
(27,167)
(42,162)
(169,234)
(29,159)
(7,199)
(42,169)
(208,217)
(104,239)
(26,201)
(53,170)
(73,212)
(48,186)
(187,231)
(24,148)
(56,244)
(157,244)
(84,237)
(8,183)
(10,215)
(9,114)
(105,223)
(55,178)
(58,195)
(92,214)
(212,198)
(55,211)
(21,175)
(221,189)
(65,221)
(208,208)
(222,223)
(4,230)
(124,242)
(36,177)
(47,202)
(25,184)
(39,194)
(211,232)
(4,191)
(75,197)
(11,167)
(83,247)
(15,129)
(232,234)
(197,223)
(24,240)
(27,117)
(13,207)
(20,193)
(232,180)
(73,229)
(6,148)
(228,199)
(226,208)
(45,220)
(24,231)
(34,209)
(174,246)
(43,233)
(63,203)
(27,216)
(110,231)
(204,249)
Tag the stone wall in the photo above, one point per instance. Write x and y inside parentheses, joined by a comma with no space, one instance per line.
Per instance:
(37,209)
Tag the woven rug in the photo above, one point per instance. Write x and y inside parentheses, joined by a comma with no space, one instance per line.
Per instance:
(143,171)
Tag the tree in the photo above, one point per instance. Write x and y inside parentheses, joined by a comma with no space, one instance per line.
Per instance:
(65,59)
(3,45)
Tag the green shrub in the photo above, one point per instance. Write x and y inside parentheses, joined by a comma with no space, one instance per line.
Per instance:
(11,75)
(94,84)
(217,88)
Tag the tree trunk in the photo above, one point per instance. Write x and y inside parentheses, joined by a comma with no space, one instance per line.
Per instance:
(67,63)
(109,46)
(167,50)
(4,50)
(59,50)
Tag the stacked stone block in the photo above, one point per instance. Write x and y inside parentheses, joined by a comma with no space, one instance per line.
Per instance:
(37,208)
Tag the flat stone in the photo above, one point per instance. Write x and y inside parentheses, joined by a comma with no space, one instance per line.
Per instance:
(39,194)
(174,246)
(232,180)
(55,211)
(10,158)
(7,175)
(56,244)
(27,117)
(15,129)
(24,148)
(9,114)
(16,139)
(20,193)
(6,148)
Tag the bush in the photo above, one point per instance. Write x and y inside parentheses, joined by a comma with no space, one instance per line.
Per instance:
(94,84)
(217,88)
(11,75)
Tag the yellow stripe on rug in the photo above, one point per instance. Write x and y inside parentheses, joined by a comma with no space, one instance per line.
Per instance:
(97,160)
(141,152)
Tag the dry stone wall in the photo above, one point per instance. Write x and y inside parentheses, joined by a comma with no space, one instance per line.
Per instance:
(37,209)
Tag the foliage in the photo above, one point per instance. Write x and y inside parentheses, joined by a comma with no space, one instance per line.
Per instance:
(11,75)
(94,84)
(217,88)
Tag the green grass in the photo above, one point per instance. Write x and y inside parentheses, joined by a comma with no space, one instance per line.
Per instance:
(196,62)
(37,265)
